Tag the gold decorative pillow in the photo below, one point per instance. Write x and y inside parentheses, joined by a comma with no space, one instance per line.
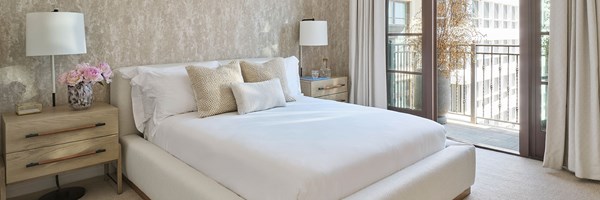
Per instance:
(212,88)
(255,72)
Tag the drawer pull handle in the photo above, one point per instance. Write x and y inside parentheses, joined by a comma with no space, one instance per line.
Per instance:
(341,100)
(64,130)
(332,87)
(65,158)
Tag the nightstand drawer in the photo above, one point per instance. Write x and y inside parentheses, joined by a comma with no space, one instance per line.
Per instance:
(325,87)
(35,131)
(339,97)
(51,160)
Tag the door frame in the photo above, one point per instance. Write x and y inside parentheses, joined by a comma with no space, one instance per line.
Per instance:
(531,136)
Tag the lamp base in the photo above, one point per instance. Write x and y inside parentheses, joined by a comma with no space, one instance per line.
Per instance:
(70,193)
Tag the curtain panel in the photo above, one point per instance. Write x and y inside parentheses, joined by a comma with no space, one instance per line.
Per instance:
(367,53)
(573,130)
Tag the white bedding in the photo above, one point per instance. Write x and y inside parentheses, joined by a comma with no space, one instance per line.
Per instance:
(311,149)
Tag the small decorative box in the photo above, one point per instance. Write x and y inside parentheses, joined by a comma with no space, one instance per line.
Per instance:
(28,108)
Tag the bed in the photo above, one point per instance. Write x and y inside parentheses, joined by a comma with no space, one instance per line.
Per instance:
(310,149)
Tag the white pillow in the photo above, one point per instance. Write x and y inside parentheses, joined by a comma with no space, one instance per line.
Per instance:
(158,93)
(252,97)
(292,73)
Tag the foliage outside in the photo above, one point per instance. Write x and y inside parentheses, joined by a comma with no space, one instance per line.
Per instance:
(455,35)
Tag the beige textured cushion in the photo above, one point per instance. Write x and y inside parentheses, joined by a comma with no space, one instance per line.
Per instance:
(254,72)
(212,88)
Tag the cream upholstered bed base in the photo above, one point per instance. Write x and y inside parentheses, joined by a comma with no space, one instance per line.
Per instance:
(444,175)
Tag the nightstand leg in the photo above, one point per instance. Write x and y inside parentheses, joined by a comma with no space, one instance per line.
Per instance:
(106,174)
(2,181)
(119,174)
(2,186)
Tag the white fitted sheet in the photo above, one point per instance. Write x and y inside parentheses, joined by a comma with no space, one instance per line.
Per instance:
(311,149)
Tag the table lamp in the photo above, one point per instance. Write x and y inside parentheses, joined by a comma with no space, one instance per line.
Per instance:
(312,33)
(55,33)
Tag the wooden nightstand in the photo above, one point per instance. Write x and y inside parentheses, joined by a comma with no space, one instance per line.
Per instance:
(335,88)
(59,140)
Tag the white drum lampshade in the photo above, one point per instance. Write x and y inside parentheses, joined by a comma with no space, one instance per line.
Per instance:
(313,33)
(55,33)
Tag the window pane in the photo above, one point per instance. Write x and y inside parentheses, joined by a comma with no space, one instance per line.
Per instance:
(404,78)
(545,15)
(476,9)
(404,90)
(486,10)
(404,53)
(514,13)
(544,104)
(496,11)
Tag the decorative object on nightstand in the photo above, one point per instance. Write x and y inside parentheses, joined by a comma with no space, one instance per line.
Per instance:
(28,108)
(314,74)
(325,70)
(55,33)
(312,33)
(80,82)
(335,88)
(58,140)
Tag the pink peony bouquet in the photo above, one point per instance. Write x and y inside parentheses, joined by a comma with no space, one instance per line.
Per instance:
(87,73)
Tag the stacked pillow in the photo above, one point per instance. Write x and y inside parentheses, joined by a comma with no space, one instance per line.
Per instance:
(273,69)
(157,93)
(252,97)
(223,89)
(212,88)
(160,92)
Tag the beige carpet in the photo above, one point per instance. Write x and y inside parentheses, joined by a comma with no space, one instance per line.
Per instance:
(503,176)
(96,189)
(499,176)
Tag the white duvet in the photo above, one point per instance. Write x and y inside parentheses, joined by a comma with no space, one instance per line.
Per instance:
(311,149)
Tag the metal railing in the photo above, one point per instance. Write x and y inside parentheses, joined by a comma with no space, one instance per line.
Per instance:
(404,76)
(486,89)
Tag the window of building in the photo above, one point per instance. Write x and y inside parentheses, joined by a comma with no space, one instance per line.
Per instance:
(514,12)
(397,13)
(496,11)
(486,10)
(476,9)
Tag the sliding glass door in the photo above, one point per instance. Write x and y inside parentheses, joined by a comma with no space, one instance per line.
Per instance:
(409,67)
(502,80)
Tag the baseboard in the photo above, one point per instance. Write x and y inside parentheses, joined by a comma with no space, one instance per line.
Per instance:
(47,182)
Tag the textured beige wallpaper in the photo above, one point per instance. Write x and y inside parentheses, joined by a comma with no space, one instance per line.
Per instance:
(137,32)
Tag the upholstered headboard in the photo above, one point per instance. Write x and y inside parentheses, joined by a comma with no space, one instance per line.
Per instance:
(120,92)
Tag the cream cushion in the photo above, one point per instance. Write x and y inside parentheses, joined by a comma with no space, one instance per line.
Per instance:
(252,97)
(212,88)
(275,68)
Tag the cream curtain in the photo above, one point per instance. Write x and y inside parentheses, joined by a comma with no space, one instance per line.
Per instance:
(367,53)
(573,132)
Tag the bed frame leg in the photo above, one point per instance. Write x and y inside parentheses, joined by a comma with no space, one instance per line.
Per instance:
(464,194)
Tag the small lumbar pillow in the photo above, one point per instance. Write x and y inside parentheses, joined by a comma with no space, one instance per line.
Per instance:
(252,97)
(254,72)
(212,88)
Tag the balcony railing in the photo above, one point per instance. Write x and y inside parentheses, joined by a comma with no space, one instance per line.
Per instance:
(485,90)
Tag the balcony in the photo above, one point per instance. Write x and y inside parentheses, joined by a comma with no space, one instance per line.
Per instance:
(484,94)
